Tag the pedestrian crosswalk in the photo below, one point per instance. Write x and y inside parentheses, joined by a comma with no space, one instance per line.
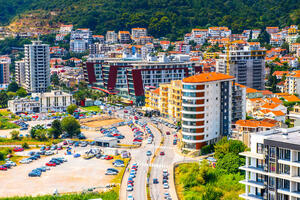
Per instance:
(153,165)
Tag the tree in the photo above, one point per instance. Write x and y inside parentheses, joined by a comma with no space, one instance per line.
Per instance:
(55,79)
(56,130)
(12,87)
(71,126)
(264,37)
(71,109)
(21,92)
(25,145)
(230,163)
(286,46)
(3,99)
(14,135)
(41,134)
(225,146)
(33,131)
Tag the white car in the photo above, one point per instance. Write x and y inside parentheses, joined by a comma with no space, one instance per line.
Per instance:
(130,197)
(49,153)
(11,163)
(166,186)
(129,188)
(26,161)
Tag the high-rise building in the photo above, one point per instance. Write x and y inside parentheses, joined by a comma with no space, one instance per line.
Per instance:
(4,69)
(37,67)
(80,40)
(246,63)
(111,37)
(138,32)
(272,169)
(20,72)
(206,109)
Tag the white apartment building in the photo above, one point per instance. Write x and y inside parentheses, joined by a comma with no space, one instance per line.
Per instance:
(5,61)
(292,83)
(273,165)
(57,101)
(37,67)
(124,37)
(24,105)
(20,72)
(206,109)
(219,32)
(78,45)
(136,33)
(111,37)
(246,63)
(65,29)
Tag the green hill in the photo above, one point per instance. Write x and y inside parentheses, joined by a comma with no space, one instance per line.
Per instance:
(170,18)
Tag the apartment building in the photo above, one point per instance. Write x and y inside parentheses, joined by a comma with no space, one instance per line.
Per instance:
(130,77)
(65,29)
(238,102)
(243,129)
(272,30)
(56,101)
(272,166)
(124,37)
(206,109)
(5,61)
(152,98)
(20,72)
(219,32)
(136,33)
(37,67)
(111,37)
(292,82)
(80,40)
(245,61)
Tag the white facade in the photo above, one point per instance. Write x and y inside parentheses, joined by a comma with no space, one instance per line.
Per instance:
(5,61)
(78,45)
(37,67)
(246,63)
(24,105)
(20,72)
(272,166)
(111,37)
(206,109)
(138,32)
(57,101)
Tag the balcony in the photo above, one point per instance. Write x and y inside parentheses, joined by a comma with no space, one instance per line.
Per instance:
(253,183)
(251,196)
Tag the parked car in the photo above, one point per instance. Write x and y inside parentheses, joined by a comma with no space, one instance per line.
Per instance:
(149,153)
(108,157)
(162,153)
(2,168)
(34,173)
(155,181)
(50,164)
(18,149)
(129,188)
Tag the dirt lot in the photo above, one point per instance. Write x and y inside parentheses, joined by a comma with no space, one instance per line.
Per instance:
(100,122)
(75,175)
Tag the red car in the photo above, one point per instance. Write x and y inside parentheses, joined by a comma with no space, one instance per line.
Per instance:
(65,143)
(168,133)
(17,149)
(137,140)
(162,153)
(125,111)
(3,168)
(136,118)
(108,158)
(59,148)
(50,164)
(47,148)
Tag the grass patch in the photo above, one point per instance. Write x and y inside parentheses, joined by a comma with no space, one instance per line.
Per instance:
(202,182)
(91,108)
(29,141)
(110,195)
(5,124)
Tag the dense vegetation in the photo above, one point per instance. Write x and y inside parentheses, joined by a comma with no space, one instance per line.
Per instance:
(203,182)
(170,18)
(110,195)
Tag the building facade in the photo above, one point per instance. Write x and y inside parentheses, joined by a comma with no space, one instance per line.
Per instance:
(37,67)
(272,166)
(246,63)
(20,72)
(206,109)
(5,61)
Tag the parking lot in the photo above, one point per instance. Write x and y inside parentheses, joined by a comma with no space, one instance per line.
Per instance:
(76,174)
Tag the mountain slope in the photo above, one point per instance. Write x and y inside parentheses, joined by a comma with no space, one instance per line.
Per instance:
(164,17)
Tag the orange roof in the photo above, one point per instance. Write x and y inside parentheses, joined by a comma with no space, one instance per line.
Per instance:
(243,86)
(265,111)
(251,90)
(253,43)
(124,32)
(197,29)
(280,73)
(275,100)
(156,91)
(266,92)
(164,42)
(291,98)
(278,113)
(254,123)
(257,99)
(138,29)
(98,36)
(270,106)
(207,77)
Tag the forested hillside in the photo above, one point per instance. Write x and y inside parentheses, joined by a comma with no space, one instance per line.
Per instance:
(170,18)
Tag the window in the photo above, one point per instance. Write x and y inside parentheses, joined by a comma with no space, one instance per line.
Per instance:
(273,167)
(284,169)
(271,182)
(284,154)
(260,178)
(260,148)
(272,152)
(260,164)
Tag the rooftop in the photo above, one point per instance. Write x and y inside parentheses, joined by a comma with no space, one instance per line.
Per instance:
(207,77)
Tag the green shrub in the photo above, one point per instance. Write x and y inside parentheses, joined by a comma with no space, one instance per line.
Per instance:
(25,145)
